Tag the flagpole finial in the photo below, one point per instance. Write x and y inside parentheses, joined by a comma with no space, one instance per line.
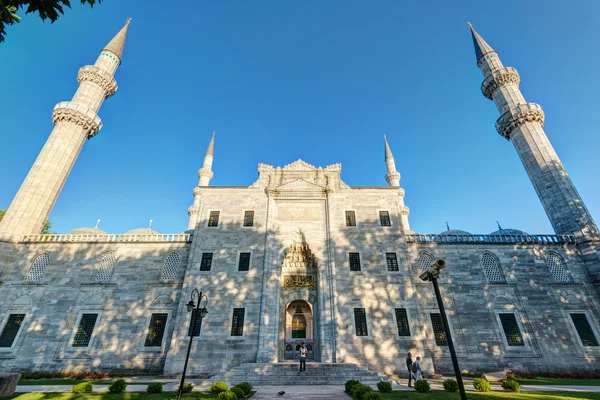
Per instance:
(150,225)
(447,226)
(97,223)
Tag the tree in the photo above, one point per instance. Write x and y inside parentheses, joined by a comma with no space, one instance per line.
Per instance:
(45,228)
(47,9)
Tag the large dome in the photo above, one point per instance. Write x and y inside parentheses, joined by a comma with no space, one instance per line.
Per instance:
(87,231)
(454,232)
(508,232)
(142,231)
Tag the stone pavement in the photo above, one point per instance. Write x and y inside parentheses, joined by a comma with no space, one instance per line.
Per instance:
(301,392)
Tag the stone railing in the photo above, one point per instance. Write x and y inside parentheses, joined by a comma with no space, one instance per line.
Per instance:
(517,116)
(58,238)
(437,238)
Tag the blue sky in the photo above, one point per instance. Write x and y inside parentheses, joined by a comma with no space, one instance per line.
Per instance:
(317,80)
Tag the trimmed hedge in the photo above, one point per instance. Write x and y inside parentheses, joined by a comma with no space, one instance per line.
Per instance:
(227,395)
(422,386)
(238,392)
(350,384)
(450,385)
(117,386)
(155,387)
(360,391)
(218,387)
(372,396)
(510,385)
(83,387)
(481,385)
(384,387)
(246,387)
(187,387)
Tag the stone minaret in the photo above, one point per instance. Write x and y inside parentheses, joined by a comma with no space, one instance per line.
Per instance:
(205,174)
(75,121)
(521,123)
(392,177)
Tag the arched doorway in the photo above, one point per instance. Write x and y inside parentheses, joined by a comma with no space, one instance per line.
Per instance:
(299,327)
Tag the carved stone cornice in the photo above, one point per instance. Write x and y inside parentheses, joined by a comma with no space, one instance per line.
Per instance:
(521,114)
(68,111)
(401,192)
(192,210)
(499,78)
(89,73)
(196,191)
(205,172)
(404,211)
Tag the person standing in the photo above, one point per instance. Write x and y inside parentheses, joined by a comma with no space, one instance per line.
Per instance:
(302,357)
(409,364)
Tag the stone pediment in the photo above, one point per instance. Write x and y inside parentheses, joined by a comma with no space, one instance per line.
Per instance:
(300,165)
(299,185)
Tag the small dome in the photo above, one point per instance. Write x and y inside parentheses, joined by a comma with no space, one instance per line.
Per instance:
(508,232)
(142,231)
(87,231)
(454,232)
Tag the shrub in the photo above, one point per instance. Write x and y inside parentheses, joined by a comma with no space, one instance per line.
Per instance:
(350,384)
(422,386)
(384,387)
(372,396)
(187,387)
(510,385)
(359,391)
(246,387)
(155,387)
(227,395)
(450,385)
(239,392)
(218,387)
(117,386)
(83,387)
(481,385)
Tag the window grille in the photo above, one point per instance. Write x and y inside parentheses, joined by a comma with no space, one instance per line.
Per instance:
(213,219)
(558,269)
(392,262)
(11,329)
(491,268)
(584,329)
(384,218)
(195,323)
(170,267)
(350,218)
(237,322)
(360,320)
(36,272)
(206,262)
(402,322)
(248,218)
(244,264)
(354,261)
(105,268)
(511,330)
(438,329)
(425,260)
(156,330)
(85,330)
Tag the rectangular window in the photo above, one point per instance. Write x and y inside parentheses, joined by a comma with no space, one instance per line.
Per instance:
(156,330)
(511,329)
(85,330)
(213,219)
(248,218)
(195,323)
(354,261)
(11,329)
(584,329)
(350,218)
(384,218)
(438,329)
(237,323)
(402,322)
(244,264)
(360,320)
(392,262)
(206,262)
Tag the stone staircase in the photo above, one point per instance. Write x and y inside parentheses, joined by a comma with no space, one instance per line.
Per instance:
(282,374)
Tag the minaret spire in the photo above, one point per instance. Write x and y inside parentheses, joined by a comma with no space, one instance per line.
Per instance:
(205,174)
(74,122)
(522,123)
(392,177)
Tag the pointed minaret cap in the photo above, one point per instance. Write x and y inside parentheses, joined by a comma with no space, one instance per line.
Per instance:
(211,146)
(117,43)
(481,46)
(388,151)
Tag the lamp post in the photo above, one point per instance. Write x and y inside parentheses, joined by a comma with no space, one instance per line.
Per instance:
(196,313)
(431,274)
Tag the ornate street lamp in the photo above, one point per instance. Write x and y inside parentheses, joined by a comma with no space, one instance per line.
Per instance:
(432,274)
(197,313)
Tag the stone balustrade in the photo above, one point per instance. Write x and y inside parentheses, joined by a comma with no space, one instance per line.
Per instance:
(517,116)
(498,78)
(79,115)
(496,239)
(61,238)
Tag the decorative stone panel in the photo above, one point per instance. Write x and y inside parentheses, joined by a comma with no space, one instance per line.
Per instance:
(521,114)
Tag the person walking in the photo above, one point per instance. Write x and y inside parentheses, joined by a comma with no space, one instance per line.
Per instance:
(302,357)
(409,365)
(417,369)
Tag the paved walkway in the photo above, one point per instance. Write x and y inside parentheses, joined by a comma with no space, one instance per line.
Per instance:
(301,392)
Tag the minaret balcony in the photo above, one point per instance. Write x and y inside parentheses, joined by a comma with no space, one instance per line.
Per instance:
(67,111)
(499,77)
(100,77)
(517,116)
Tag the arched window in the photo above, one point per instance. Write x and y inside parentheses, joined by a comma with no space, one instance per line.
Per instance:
(288,347)
(558,268)
(105,268)
(170,267)
(38,268)
(491,268)
(425,260)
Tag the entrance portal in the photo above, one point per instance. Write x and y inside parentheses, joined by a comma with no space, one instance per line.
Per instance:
(299,327)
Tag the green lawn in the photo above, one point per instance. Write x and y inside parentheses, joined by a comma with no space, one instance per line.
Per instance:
(109,396)
(40,382)
(439,395)
(560,381)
